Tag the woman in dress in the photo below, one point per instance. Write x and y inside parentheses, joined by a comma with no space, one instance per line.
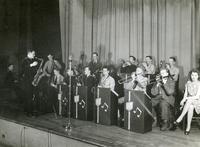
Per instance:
(191,99)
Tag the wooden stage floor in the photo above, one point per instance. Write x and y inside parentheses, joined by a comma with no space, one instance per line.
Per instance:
(100,135)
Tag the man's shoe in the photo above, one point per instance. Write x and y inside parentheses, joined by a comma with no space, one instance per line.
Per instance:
(172,127)
(164,127)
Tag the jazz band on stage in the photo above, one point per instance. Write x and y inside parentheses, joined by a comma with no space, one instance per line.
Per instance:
(105,84)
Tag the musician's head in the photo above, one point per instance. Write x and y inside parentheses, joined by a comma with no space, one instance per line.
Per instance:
(31,54)
(87,71)
(94,56)
(50,57)
(139,71)
(164,73)
(56,71)
(148,59)
(172,61)
(132,59)
(69,72)
(194,75)
(10,67)
(167,66)
(106,71)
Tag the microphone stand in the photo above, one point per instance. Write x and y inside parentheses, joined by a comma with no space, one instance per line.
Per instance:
(68,127)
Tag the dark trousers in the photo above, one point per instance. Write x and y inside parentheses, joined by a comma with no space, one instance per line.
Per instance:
(167,111)
(28,98)
(53,99)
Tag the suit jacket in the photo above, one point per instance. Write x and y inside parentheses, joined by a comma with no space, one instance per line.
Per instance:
(165,91)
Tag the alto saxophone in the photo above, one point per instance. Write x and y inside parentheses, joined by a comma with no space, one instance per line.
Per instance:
(39,74)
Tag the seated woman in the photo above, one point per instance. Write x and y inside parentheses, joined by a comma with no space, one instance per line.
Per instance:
(191,99)
(139,81)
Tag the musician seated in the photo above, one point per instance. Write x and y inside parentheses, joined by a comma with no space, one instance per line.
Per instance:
(106,80)
(88,79)
(138,82)
(149,66)
(163,90)
(11,81)
(70,73)
(129,66)
(56,81)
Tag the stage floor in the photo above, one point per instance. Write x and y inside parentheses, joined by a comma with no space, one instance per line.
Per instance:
(99,135)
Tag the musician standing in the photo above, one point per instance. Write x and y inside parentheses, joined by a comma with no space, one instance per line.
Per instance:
(29,69)
(164,90)
(95,65)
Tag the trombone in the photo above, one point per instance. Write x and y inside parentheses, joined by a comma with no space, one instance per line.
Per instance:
(125,80)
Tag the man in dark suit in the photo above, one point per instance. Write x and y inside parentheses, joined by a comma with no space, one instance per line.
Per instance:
(29,69)
(91,82)
(95,66)
(164,90)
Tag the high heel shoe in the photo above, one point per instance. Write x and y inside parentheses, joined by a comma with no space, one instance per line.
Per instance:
(187,132)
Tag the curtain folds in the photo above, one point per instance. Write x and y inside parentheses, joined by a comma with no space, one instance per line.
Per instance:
(119,28)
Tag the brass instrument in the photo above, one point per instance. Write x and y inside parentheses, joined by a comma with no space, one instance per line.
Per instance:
(157,79)
(126,63)
(39,74)
(125,80)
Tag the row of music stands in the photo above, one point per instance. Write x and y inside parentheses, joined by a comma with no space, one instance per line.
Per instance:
(103,108)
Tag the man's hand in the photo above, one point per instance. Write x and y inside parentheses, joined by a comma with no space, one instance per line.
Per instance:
(34,64)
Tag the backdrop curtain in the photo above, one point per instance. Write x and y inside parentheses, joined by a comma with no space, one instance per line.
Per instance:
(119,28)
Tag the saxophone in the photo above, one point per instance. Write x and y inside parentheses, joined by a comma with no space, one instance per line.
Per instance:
(39,74)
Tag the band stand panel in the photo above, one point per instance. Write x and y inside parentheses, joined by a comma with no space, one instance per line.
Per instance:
(107,108)
(136,118)
(83,104)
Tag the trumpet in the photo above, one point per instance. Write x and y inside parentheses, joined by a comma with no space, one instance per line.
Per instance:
(125,80)
(126,63)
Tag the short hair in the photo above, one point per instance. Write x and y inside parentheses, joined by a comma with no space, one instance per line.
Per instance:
(57,69)
(163,68)
(193,71)
(107,67)
(173,58)
(132,57)
(95,53)
(10,64)
(149,57)
(87,67)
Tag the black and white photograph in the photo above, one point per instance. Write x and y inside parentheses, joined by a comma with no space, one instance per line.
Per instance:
(99,73)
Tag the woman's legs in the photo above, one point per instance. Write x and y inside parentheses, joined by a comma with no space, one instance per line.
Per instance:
(185,110)
(189,117)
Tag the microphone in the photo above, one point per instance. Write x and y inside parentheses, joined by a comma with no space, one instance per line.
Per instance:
(70,58)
